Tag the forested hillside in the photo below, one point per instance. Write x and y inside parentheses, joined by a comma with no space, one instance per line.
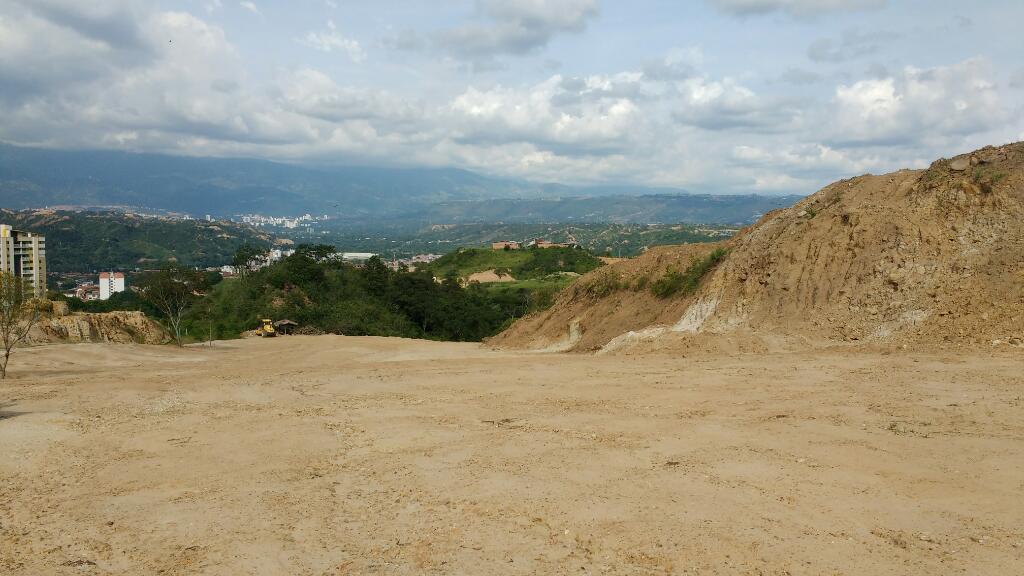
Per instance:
(330,296)
(88,241)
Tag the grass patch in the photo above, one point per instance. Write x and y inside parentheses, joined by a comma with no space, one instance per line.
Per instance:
(686,282)
(603,284)
(521,264)
(986,178)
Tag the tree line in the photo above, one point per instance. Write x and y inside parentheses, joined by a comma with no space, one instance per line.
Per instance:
(323,294)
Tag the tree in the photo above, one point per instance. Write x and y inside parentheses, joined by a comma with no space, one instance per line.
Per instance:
(171,291)
(248,258)
(17,315)
(316,252)
(376,274)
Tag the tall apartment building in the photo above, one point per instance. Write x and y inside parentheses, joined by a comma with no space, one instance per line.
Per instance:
(111,283)
(24,255)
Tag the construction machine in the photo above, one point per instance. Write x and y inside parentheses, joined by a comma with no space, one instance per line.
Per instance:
(266,329)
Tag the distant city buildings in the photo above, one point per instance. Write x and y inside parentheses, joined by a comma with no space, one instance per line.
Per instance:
(410,263)
(305,221)
(110,283)
(23,254)
(359,257)
(86,292)
(277,254)
(535,243)
(542,243)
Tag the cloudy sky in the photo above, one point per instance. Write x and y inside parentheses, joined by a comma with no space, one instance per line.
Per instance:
(722,96)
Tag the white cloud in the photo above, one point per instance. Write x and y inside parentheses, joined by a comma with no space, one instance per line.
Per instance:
(852,44)
(251,7)
(534,115)
(108,74)
(726,104)
(316,96)
(331,40)
(801,8)
(919,104)
(516,27)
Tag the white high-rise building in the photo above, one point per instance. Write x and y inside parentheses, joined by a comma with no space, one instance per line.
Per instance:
(111,283)
(24,255)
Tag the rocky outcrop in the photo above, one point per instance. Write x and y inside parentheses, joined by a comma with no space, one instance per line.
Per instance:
(115,327)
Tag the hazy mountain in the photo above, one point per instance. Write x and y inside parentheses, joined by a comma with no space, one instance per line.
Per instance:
(34,177)
(646,209)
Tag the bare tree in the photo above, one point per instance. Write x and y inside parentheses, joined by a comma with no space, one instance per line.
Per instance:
(172,290)
(17,315)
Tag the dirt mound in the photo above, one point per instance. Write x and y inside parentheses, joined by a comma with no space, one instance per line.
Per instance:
(489,277)
(116,327)
(606,303)
(914,257)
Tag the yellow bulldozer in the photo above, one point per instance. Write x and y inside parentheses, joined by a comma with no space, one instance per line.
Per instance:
(266,329)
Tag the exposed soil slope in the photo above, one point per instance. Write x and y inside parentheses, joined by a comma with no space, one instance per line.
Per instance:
(914,257)
(606,303)
(57,325)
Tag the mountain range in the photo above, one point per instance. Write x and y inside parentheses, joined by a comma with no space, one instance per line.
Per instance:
(37,177)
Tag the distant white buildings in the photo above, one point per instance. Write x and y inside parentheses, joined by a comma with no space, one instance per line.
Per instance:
(411,263)
(277,254)
(305,221)
(356,256)
(110,283)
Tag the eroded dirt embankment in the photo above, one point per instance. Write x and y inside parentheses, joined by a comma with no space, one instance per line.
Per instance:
(56,324)
(916,257)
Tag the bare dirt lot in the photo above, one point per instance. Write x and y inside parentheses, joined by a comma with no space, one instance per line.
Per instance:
(335,455)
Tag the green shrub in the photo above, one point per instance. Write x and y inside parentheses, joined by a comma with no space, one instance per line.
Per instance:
(686,282)
(602,285)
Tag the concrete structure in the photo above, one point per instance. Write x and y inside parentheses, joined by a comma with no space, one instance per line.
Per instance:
(87,292)
(507,244)
(542,243)
(356,256)
(23,254)
(111,283)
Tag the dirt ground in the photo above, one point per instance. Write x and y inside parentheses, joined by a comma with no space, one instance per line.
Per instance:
(336,455)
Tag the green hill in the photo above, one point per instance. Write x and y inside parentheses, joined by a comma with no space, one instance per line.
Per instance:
(334,297)
(88,241)
(526,264)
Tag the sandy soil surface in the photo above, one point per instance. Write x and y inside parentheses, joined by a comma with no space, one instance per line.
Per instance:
(334,455)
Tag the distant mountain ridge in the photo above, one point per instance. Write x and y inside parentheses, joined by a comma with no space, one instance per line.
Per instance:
(739,210)
(36,177)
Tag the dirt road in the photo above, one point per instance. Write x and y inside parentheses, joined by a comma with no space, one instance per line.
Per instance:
(334,455)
